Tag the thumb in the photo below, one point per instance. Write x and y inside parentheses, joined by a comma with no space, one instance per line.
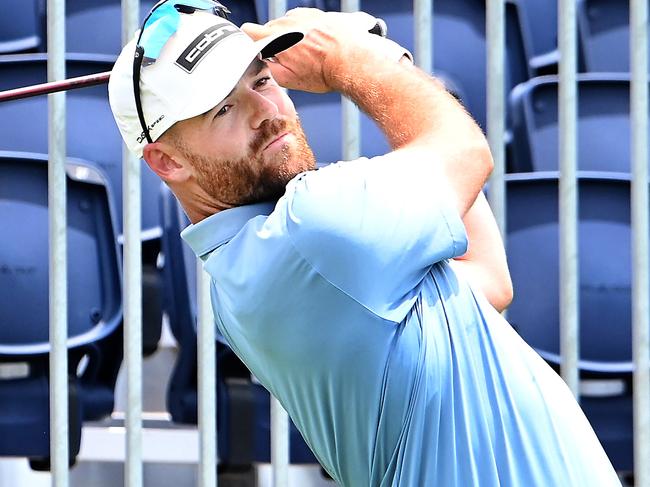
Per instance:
(256,31)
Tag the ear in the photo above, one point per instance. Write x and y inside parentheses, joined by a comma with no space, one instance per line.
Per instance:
(165,162)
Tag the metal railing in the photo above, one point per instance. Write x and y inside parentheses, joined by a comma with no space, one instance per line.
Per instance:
(423,26)
(58,278)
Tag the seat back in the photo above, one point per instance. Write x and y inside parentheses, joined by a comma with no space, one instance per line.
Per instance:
(604,34)
(94,289)
(20,28)
(603,124)
(91,130)
(93,292)
(539,20)
(604,266)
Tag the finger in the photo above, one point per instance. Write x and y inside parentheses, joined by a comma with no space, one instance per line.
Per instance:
(281,74)
(256,31)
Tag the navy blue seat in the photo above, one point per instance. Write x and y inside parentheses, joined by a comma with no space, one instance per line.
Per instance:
(20,28)
(539,21)
(604,295)
(604,35)
(243,406)
(94,26)
(461,65)
(94,301)
(92,133)
(603,124)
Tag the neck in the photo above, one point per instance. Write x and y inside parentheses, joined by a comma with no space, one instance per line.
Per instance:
(196,203)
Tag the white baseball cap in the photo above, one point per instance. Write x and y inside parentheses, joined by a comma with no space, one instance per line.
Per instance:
(197,68)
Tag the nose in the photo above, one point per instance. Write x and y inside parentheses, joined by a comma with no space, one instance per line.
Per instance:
(262,108)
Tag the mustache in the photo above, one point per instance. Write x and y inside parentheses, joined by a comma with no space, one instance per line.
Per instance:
(269,130)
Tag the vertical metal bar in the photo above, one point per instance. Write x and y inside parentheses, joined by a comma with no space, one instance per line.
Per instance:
(277,8)
(495,78)
(640,231)
(58,276)
(423,17)
(279,444)
(207,373)
(279,417)
(132,288)
(351,117)
(568,195)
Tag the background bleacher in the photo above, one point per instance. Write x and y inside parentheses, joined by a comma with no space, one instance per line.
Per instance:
(95,216)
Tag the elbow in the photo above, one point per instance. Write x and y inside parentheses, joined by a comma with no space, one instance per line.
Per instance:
(503,296)
(485,157)
(479,158)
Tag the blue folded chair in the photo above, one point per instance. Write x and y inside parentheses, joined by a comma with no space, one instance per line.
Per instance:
(604,35)
(604,294)
(538,23)
(539,19)
(91,135)
(242,405)
(603,123)
(91,131)
(94,303)
(20,27)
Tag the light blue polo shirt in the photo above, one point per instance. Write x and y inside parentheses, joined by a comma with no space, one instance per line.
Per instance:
(343,301)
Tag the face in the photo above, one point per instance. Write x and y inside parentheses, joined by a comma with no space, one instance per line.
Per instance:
(248,147)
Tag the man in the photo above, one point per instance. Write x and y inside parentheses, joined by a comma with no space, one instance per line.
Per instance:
(353,297)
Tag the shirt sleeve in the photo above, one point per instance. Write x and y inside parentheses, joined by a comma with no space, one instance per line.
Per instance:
(374,227)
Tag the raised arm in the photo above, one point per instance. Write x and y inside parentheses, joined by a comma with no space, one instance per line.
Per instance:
(418,116)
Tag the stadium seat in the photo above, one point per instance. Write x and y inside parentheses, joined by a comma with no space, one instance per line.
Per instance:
(604,294)
(539,21)
(95,26)
(603,124)
(94,302)
(604,35)
(461,65)
(243,406)
(92,133)
(20,28)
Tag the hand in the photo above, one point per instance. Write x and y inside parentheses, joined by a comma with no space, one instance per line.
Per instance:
(330,37)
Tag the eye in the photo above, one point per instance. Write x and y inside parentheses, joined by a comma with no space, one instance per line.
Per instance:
(223,110)
(262,81)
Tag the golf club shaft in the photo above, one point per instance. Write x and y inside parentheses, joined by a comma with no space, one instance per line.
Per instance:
(55,86)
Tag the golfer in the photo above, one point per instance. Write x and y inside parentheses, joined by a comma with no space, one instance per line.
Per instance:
(364,295)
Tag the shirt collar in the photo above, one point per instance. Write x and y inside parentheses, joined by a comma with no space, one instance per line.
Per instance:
(208,234)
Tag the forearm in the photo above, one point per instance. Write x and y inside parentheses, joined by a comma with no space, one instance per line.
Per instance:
(417,114)
(485,264)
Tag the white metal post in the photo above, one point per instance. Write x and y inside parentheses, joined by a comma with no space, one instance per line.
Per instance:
(207,373)
(568,195)
(58,276)
(423,20)
(279,417)
(495,78)
(351,117)
(132,288)
(640,231)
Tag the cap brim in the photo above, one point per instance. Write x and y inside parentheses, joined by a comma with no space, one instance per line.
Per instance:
(270,46)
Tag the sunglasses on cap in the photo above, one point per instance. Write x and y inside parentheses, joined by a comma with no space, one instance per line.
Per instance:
(161,23)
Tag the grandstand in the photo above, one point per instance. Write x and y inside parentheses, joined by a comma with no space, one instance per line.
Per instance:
(544,169)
